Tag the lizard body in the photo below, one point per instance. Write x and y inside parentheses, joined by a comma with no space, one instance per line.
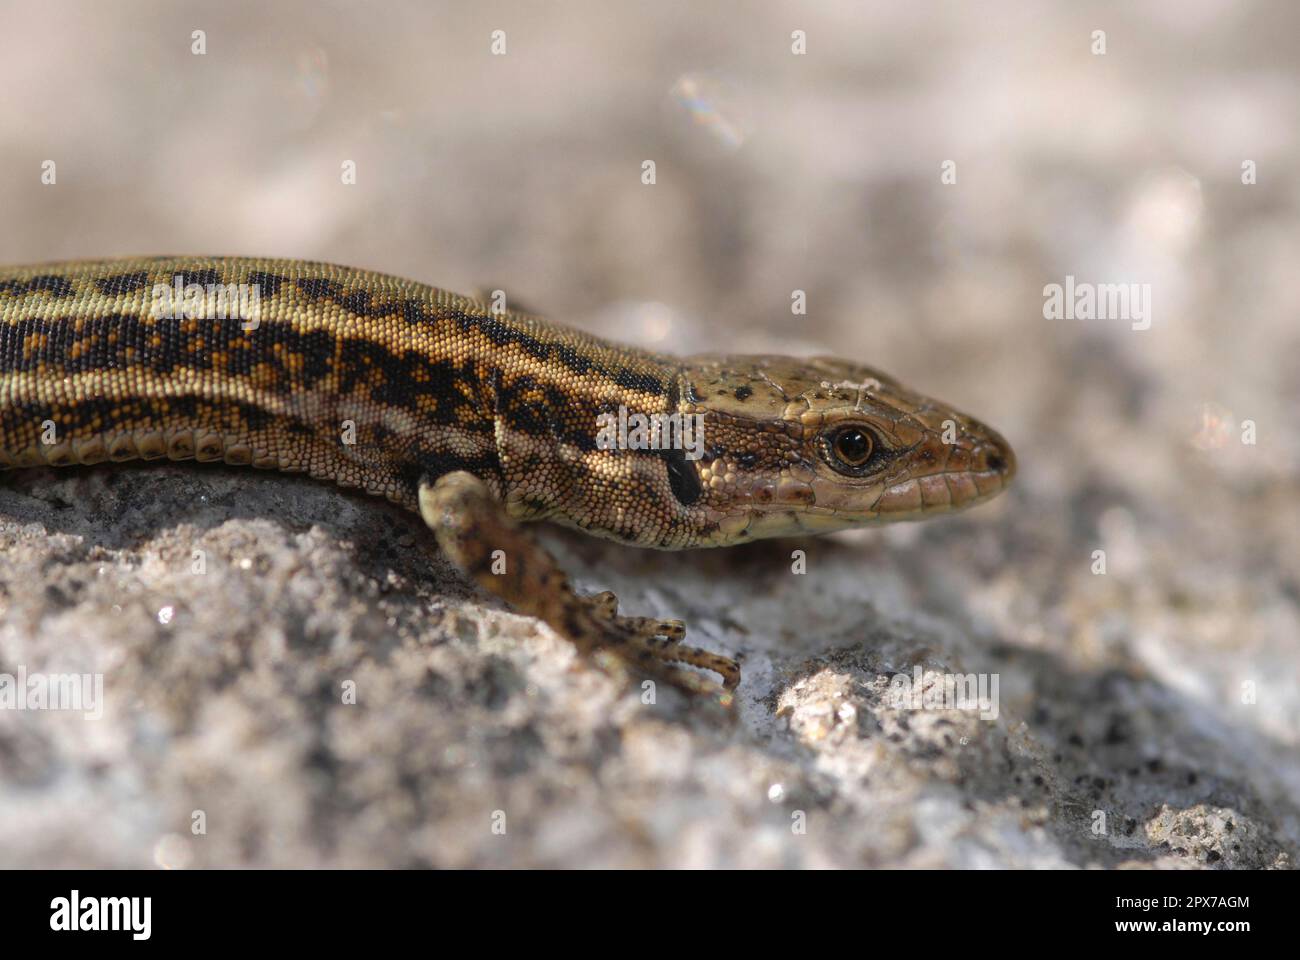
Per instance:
(472,417)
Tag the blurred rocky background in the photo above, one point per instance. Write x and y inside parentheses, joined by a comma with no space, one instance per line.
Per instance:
(1148,716)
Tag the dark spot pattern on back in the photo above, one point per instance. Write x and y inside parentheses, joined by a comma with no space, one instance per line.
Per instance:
(497,331)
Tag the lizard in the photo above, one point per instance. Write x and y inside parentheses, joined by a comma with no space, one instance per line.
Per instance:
(478,419)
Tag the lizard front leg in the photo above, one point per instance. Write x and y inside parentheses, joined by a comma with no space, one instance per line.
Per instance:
(471,524)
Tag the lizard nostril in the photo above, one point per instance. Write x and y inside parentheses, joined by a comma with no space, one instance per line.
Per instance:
(999,458)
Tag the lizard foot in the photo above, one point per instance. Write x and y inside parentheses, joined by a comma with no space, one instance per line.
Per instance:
(475,533)
(662,640)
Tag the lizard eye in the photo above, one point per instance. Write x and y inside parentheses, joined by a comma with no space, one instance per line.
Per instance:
(850,448)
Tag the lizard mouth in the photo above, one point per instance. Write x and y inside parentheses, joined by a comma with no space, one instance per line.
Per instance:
(952,478)
(976,472)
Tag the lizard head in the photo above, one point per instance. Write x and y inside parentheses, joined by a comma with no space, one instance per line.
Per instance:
(812,445)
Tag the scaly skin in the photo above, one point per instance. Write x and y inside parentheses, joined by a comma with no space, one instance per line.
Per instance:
(474,419)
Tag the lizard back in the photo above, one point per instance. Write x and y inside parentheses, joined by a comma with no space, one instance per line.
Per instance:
(368,380)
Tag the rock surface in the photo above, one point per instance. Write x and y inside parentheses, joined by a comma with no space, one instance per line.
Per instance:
(1147,716)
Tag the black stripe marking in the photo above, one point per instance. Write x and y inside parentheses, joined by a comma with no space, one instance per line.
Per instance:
(268,284)
(58,286)
(203,278)
(426,466)
(122,283)
(96,415)
(683,481)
